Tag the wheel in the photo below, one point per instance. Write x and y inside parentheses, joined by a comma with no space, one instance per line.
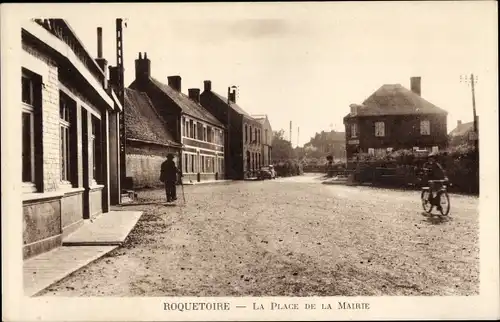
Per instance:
(426,203)
(444,201)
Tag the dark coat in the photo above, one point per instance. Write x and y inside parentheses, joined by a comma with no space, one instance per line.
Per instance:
(168,171)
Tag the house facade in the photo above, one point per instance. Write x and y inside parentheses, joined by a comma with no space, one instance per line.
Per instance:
(266,139)
(148,141)
(244,139)
(463,134)
(395,118)
(200,133)
(69,135)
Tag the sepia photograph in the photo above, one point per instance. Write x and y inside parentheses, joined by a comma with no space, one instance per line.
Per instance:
(275,151)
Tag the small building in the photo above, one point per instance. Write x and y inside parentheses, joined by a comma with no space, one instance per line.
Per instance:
(148,141)
(199,132)
(463,134)
(267,139)
(395,118)
(69,135)
(244,142)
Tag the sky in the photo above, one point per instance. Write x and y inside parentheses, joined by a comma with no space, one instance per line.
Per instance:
(307,62)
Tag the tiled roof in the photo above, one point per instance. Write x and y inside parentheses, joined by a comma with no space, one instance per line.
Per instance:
(143,122)
(187,105)
(394,99)
(235,106)
(462,129)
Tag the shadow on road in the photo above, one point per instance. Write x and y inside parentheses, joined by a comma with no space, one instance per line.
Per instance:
(435,219)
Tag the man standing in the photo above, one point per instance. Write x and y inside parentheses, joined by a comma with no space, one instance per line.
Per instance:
(168,176)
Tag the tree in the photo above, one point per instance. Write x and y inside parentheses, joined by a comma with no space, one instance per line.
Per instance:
(282,148)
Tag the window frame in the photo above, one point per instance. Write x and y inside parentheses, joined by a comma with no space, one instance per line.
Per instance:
(65,136)
(422,127)
(354,130)
(379,129)
(29,109)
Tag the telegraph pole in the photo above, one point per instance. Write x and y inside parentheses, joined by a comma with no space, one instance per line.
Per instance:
(121,97)
(472,80)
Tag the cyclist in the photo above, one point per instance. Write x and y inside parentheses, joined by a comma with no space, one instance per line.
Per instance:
(434,171)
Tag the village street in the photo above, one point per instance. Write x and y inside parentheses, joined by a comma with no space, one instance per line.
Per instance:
(288,237)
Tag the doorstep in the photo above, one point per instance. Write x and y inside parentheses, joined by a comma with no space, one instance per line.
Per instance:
(108,229)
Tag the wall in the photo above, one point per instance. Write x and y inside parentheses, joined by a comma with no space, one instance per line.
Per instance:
(56,208)
(401,132)
(71,212)
(41,221)
(144,163)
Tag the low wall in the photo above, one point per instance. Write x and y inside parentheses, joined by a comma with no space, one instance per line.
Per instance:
(41,225)
(71,211)
(95,201)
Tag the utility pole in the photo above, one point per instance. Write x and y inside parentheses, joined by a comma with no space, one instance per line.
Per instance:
(298,134)
(121,97)
(472,80)
(290,132)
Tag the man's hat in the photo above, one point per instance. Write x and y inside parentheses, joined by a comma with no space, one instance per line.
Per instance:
(170,156)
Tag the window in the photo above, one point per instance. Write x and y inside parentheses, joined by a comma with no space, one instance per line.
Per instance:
(265,136)
(200,131)
(371,151)
(28,128)
(192,163)
(64,137)
(379,129)
(192,129)
(202,163)
(183,126)
(255,135)
(425,127)
(354,130)
(205,134)
(246,133)
(435,149)
(95,143)
(186,163)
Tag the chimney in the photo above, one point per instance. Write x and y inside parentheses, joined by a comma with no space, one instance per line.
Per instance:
(175,82)
(101,61)
(232,97)
(194,94)
(415,85)
(99,42)
(142,68)
(208,86)
(354,109)
(459,122)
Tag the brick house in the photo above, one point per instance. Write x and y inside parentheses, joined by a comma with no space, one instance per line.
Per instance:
(463,134)
(199,132)
(244,155)
(148,140)
(395,118)
(267,139)
(69,135)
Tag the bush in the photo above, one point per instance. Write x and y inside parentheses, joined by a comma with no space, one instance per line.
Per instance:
(288,168)
(401,168)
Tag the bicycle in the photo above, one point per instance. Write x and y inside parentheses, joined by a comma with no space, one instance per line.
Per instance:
(441,195)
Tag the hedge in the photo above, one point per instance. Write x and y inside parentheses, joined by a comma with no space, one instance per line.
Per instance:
(288,168)
(403,168)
